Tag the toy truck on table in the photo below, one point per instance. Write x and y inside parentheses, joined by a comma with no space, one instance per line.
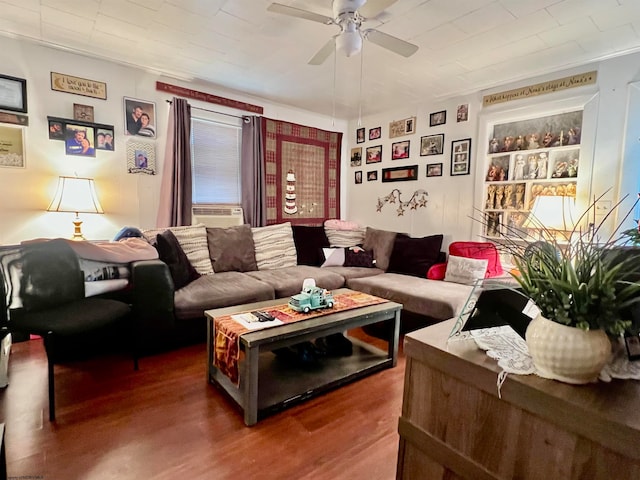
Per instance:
(311,298)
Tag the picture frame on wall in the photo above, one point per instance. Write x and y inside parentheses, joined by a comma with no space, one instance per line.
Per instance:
(358,177)
(141,157)
(462,113)
(434,169)
(374,154)
(12,153)
(139,118)
(360,135)
(56,129)
(13,94)
(80,139)
(432,145)
(372,176)
(400,150)
(437,118)
(105,139)
(461,157)
(400,174)
(375,133)
(83,113)
(356,156)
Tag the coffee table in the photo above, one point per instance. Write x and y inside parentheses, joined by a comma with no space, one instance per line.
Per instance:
(269,384)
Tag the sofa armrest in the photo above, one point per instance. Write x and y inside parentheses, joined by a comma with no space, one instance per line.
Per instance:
(152,296)
(437,271)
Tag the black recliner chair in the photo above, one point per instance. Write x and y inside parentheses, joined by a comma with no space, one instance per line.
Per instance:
(53,302)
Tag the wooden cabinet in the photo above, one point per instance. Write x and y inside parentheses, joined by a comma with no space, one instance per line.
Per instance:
(455,426)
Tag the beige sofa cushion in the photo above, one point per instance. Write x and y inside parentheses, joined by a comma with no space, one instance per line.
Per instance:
(380,242)
(274,246)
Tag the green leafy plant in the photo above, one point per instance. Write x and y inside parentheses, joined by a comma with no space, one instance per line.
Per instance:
(580,282)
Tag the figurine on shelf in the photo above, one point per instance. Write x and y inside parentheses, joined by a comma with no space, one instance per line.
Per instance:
(520,196)
(491,197)
(509,144)
(508,196)
(573,136)
(494,145)
(532,172)
(532,141)
(542,165)
(519,167)
(499,196)
(520,143)
(550,140)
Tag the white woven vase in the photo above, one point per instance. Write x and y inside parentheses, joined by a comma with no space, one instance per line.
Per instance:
(568,354)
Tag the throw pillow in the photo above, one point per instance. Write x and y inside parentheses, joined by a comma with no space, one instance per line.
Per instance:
(309,241)
(193,240)
(479,250)
(231,249)
(171,253)
(274,246)
(465,270)
(348,257)
(381,243)
(343,234)
(415,256)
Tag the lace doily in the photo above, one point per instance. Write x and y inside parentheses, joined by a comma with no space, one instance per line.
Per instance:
(510,350)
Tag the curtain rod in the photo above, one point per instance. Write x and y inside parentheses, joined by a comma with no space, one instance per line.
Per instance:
(243,117)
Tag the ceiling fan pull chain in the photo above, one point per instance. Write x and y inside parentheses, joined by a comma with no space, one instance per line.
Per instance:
(335,61)
(360,92)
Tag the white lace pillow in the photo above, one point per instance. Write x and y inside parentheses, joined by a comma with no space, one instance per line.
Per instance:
(274,246)
(465,270)
(193,240)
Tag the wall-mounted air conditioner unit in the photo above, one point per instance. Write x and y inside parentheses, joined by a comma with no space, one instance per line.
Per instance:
(217,215)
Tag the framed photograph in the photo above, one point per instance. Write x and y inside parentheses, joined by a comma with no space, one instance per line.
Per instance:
(12,153)
(360,135)
(437,118)
(358,177)
(61,82)
(400,174)
(80,140)
(372,176)
(13,94)
(400,150)
(56,129)
(461,157)
(141,157)
(434,169)
(398,128)
(356,157)
(432,145)
(139,118)
(14,119)
(374,154)
(83,113)
(104,139)
(462,114)
(375,133)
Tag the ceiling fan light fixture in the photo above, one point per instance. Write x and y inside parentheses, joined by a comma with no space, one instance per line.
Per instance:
(349,42)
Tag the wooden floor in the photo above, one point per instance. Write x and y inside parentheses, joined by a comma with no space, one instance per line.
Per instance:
(166,422)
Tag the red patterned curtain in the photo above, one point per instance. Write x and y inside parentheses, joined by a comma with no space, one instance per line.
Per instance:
(302,166)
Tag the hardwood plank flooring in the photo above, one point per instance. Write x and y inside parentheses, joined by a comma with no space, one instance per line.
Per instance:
(166,422)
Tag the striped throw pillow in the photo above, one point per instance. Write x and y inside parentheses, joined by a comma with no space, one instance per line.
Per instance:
(193,240)
(274,246)
(345,238)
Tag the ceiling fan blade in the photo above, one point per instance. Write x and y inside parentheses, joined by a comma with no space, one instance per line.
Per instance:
(324,53)
(389,42)
(299,13)
(373,8)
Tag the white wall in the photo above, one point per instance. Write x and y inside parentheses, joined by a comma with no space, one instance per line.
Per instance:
(451,199)
(128,199)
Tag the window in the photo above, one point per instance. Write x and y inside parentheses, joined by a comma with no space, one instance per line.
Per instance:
(215,159)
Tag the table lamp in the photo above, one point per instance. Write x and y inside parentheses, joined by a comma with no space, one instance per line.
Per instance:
(554,215)
(78,195)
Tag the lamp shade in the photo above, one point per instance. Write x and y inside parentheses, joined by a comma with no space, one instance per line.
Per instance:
(552,212)
(75,194)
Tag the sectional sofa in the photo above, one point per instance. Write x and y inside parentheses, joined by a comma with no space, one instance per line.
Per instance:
(203,268)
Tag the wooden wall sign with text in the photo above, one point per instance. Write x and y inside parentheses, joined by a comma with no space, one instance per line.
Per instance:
(565,83)
(207,97)
(78,86)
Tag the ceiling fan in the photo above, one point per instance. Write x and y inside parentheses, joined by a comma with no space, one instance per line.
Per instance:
(349,15)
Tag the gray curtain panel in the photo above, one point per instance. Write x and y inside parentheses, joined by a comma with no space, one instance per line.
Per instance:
(175,190)
(252,181)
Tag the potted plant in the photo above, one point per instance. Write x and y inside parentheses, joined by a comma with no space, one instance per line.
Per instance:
(580,285)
